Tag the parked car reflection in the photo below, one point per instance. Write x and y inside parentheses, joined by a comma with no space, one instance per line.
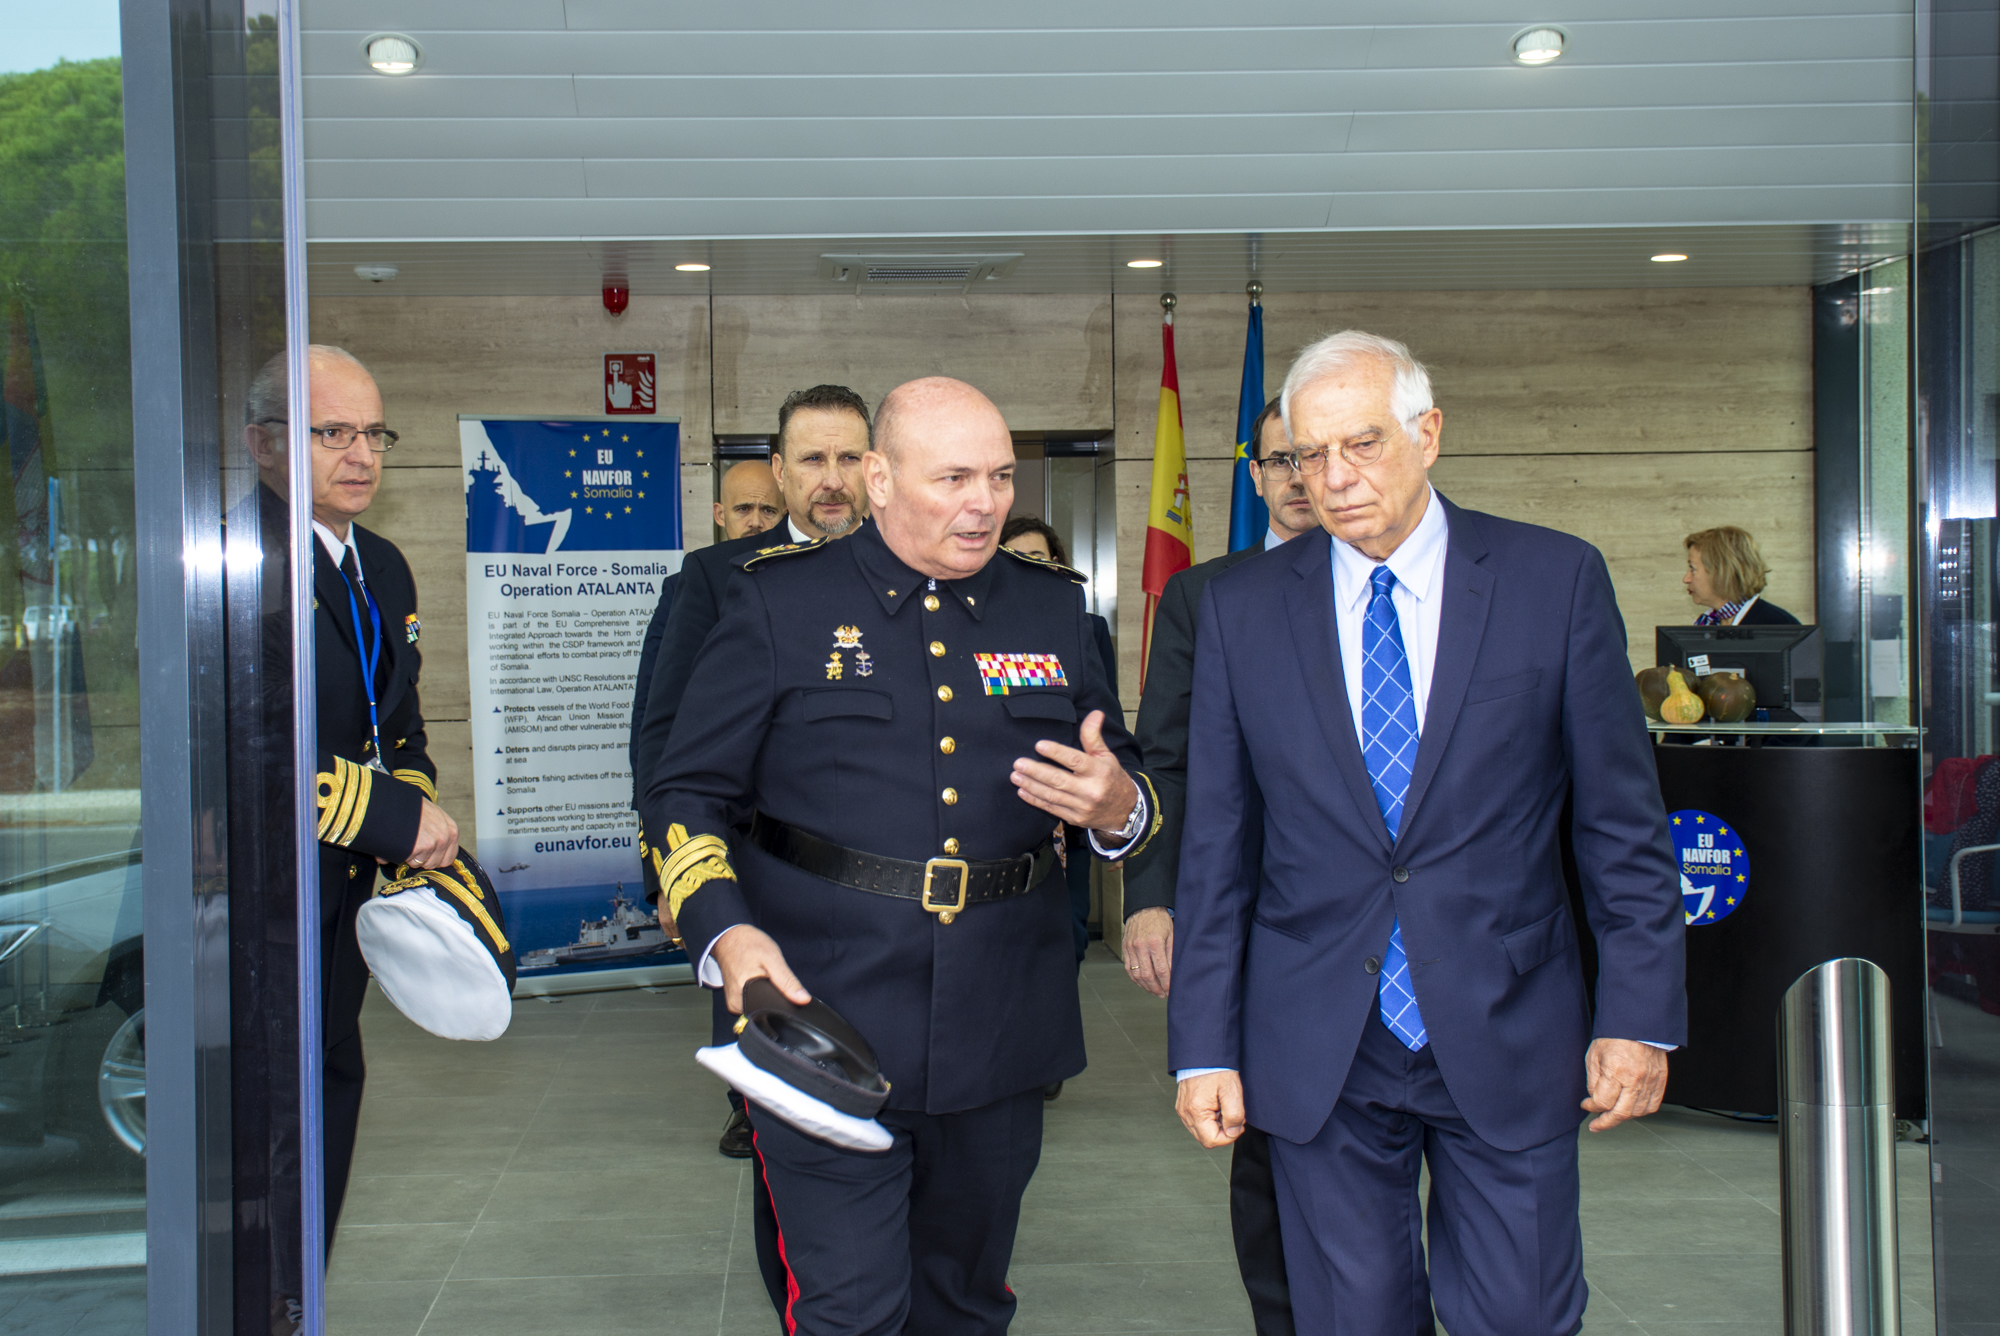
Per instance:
(72,1024)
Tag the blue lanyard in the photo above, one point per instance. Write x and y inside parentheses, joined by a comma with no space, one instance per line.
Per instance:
(371,654)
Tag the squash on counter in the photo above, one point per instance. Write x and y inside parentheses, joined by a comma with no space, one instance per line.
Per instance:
(1681,706)
(1729,697)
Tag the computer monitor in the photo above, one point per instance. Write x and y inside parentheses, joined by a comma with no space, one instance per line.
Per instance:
(1782,662)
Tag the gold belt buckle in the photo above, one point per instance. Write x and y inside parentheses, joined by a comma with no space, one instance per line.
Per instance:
(946,912)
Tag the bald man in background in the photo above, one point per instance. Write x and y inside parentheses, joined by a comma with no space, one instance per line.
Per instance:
(750,502)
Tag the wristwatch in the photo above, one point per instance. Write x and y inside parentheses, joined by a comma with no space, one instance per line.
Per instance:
(1135,822)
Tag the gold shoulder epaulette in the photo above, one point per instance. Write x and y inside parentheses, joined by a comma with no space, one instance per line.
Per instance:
(1075,576)
(764,554)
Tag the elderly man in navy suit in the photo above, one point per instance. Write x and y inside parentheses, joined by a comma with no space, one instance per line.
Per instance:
(1401,982)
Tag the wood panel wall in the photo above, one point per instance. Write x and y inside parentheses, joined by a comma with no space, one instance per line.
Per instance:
(1627,417)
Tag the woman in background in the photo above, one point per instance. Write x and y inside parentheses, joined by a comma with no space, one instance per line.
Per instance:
(1726,575)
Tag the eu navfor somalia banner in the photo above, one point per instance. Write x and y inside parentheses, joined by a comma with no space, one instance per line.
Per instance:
(570,528)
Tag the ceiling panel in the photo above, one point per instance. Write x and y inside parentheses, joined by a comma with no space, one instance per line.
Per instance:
(750,138)
(782,118)
(1634,127)
(1295,262)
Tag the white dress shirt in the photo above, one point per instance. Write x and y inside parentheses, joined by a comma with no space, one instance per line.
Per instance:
(336,549)
(798,535)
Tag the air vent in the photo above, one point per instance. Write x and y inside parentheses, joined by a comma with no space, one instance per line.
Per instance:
(916,271)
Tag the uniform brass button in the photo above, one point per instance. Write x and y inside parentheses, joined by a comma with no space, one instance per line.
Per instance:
(937,649)
(930,603)
(950,797)
(951,846)
(944,693)
(1372,965)
(947,746)
(1401,874)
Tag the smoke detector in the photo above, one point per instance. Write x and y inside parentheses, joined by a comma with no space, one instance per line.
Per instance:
(376,273)
(917,272)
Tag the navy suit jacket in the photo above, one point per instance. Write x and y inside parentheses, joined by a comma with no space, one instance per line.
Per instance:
(1531,702)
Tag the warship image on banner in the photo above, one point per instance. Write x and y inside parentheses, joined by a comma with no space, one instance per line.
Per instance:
(628,934)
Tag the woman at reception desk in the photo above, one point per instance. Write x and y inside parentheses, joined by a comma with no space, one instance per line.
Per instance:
(1726,575)
(1789,855)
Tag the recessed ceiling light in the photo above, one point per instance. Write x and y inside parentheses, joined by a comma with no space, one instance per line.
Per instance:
(392,53)
(376,273)
(691,268)
(1144,264)
(1668,257)
(1538,46)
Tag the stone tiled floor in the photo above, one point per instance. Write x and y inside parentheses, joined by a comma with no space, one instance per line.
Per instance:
(564,1180)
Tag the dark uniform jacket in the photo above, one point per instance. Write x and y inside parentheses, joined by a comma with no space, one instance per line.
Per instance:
(649,659)
(1163,728)
(840,693)
(694,606)
(363,814)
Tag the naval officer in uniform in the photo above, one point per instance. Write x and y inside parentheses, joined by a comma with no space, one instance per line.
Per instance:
(377,785)
(908,716)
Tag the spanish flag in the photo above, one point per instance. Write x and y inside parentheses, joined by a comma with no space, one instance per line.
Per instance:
(1170,523)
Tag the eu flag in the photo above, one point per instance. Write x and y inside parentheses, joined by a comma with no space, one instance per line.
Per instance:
(1248,520)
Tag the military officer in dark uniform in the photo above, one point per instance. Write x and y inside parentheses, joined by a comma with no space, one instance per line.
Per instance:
(908,717)
(377,786)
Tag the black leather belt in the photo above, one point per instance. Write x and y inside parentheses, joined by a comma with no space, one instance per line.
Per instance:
(944,886)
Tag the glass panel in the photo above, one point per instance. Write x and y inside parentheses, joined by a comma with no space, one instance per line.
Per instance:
(72,1063)
(1959,305)
(1885,491)
(1072,513)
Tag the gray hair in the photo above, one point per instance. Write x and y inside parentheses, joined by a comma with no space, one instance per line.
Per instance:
(267,400)
(1409,395)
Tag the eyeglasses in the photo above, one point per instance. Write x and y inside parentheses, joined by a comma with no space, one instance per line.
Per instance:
(340,436)
(1311,461)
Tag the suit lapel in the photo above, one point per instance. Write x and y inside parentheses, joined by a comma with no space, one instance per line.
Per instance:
(1310,605)
(1468,597)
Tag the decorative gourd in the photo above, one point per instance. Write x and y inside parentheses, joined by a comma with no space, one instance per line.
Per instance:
(1681,705)
(1729,697)
(1652,690)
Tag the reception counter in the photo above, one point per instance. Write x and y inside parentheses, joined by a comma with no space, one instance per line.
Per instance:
(1791,855)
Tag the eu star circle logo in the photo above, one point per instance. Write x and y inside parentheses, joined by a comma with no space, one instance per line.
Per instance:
(1715,869)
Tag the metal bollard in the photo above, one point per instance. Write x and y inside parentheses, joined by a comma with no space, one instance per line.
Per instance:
(1837,1149)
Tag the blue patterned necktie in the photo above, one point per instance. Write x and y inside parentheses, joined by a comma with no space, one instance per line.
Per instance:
(1389,747)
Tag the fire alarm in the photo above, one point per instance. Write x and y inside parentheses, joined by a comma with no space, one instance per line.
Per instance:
(616,297)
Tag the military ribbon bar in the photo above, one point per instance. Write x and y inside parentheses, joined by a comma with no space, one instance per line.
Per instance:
(1000,673)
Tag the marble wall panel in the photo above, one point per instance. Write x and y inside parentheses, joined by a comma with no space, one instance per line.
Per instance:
(1637,508)
(1566,371)
(1045,360)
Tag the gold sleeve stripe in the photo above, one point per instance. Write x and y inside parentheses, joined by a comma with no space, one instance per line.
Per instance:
(343,801)
(693,864)
(466,891)
(420,779)
(1152,801)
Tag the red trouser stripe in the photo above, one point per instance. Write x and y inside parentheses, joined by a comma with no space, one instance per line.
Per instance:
(791,1281)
